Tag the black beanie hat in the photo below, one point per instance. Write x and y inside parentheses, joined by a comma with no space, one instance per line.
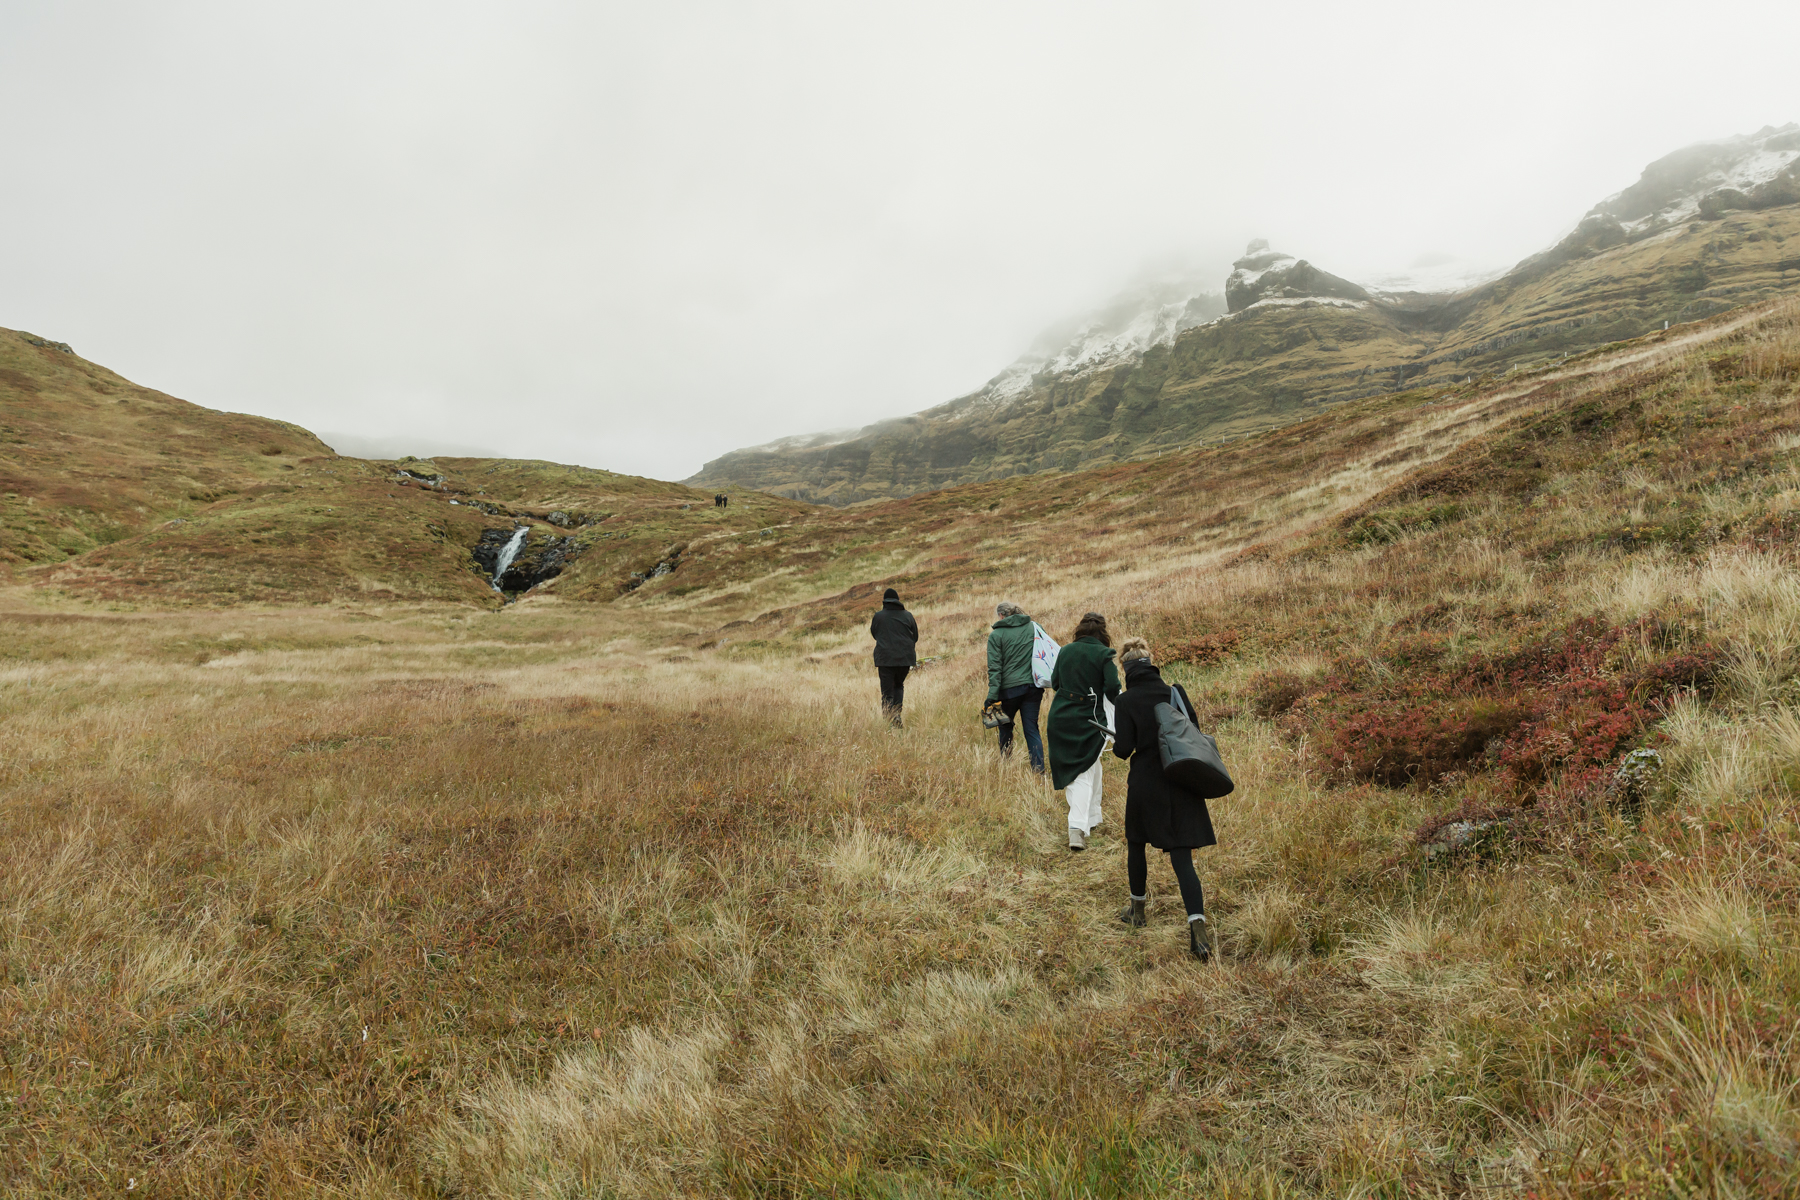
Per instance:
(890,594)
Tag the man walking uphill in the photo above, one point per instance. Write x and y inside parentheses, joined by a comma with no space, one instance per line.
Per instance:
(896,637)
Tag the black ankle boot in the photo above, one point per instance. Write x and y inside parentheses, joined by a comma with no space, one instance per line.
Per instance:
(1133,914)
(1199,945)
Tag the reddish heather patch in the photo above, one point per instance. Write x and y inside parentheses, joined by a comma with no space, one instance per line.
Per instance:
(1555,709)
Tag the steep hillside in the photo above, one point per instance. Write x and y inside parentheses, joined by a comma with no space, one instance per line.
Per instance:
(1705,229)
(118,492)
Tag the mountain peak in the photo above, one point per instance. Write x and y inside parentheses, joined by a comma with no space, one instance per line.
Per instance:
(1271,275)
(1751,171)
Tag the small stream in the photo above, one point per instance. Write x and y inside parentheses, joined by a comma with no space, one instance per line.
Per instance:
(507,553)
(513,562)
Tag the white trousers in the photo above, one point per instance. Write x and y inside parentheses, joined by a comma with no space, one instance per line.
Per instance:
(1083,794)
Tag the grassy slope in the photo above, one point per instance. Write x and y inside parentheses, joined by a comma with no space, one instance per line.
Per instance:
(548,901)
(635,523)
(118,493)
(88,458)
(1149,518)
(1270,365)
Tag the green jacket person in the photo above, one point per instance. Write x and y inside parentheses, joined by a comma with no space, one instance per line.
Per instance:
(1010,683)
(1086,682)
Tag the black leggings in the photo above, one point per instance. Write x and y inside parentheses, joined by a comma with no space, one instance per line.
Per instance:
(893,691)
(1138,871)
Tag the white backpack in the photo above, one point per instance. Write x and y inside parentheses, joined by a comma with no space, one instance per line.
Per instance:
(1043,656)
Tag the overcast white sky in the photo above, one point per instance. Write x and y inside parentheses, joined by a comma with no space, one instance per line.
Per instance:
(638,235)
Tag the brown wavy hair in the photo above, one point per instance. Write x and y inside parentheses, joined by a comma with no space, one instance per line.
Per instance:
(1092,625)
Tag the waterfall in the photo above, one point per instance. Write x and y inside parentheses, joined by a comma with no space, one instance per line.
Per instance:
(509,552)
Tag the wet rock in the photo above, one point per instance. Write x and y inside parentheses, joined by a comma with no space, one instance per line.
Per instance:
(540,558)
(486,553)
(670,560)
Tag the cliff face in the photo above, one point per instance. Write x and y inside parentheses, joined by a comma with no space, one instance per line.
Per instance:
(1705,229)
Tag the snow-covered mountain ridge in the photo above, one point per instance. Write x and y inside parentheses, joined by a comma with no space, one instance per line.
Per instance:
(1264,275)
(1152,314)
(1701,182)
(1740,172)
(1705,228)
(1735,173)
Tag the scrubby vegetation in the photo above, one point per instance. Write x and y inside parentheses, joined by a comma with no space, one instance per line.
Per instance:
(620,899)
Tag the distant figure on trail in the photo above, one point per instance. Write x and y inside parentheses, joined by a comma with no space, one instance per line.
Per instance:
(896,637)
(1012,688)
(721,500)
(1086,683)
(1157,812)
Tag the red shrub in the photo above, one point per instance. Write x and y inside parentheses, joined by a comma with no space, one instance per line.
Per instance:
(1397,747)
(1552,709)
(1698,672)
(1579,729)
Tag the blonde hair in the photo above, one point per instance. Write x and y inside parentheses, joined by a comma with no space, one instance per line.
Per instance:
(1134,649)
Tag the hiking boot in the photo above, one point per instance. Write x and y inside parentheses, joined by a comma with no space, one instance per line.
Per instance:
(1199,944)
(1077,839)
(1133,914)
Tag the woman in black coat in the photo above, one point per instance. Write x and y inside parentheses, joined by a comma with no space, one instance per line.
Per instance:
(1156,811)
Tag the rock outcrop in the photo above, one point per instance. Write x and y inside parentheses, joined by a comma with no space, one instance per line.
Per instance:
(1264,275)
(1702,182)
(541,557)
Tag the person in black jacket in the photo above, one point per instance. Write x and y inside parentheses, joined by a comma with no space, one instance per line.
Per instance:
(1157,812)
(896,637)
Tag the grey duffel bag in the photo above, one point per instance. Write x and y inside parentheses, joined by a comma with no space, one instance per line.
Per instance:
(1190,759)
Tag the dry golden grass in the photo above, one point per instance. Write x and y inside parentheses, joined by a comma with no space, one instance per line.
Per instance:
(550,902)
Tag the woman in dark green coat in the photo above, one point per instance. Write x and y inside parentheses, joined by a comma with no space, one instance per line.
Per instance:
(1086,683)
